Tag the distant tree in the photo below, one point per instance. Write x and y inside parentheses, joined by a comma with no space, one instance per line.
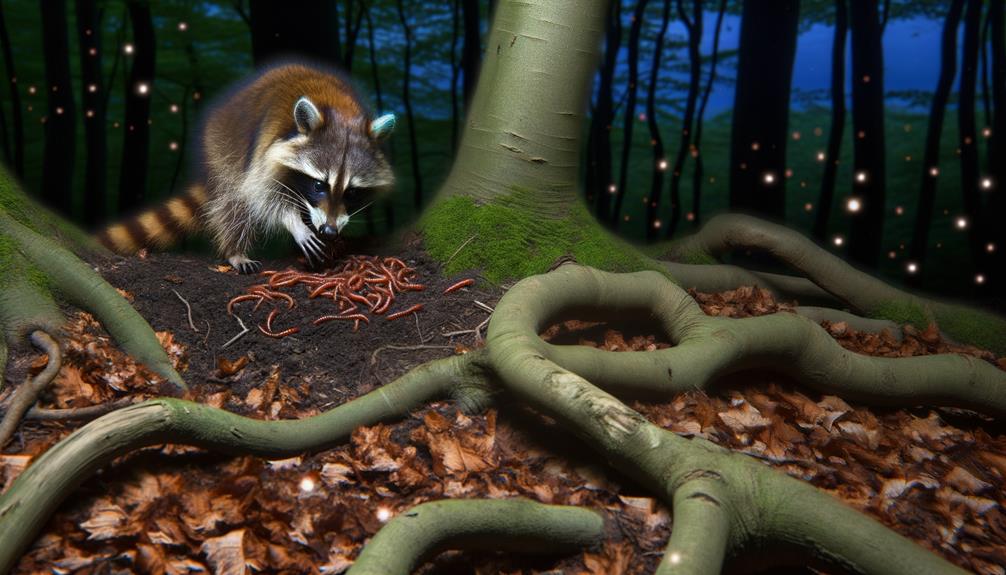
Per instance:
(17,120)
(761,107)
(837,129)
(295,27)
(60,131)
(92,90)
(869,152)
(968,132)
(931,154)
(353,23)
(629,117)
(139,87)
(694,27)
(389,210)
(455,70)
(698,174)
(471,48)
(417,181)
(656,140)
(996,211)
(599,171)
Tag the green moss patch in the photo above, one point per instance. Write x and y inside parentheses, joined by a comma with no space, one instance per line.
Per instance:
(508,241)
(902,313)
(972,326)
(27,212)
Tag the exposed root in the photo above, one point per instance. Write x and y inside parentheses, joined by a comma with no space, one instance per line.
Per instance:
(28,393)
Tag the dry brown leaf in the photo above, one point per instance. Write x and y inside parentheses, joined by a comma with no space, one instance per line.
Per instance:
(226,553)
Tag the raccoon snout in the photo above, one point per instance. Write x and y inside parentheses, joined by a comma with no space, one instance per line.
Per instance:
(329,231)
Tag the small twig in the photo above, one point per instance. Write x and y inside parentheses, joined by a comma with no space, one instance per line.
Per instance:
(205,339)
(188,311)
(26,395)
(373,356)
(78,413)
(484,306)
(468,241)
(244,330)
(478,328)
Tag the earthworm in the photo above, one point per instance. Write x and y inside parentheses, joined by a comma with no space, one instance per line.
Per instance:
(239,299)
(459,285)
(405,312)
(284,333)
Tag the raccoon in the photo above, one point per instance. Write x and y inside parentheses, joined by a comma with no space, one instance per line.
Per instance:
(293,149)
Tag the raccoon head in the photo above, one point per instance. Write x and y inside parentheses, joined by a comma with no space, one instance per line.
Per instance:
(334,165)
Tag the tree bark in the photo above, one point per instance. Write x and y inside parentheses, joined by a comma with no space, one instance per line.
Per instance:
(931,155)
(694,26)
(869,153)
(136,130)
(629,120)
(471,48)
(761,107)
(93,101)
(698,174)
(968,134)
(17,119)
(656,140)
(295,28)
(417,179)
(599,173)
(60,131)
(837,130)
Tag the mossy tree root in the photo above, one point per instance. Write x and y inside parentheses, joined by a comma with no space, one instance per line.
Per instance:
(60,270)
(861,291)
(514,525)
(761,504)
(36,493)
(27,394)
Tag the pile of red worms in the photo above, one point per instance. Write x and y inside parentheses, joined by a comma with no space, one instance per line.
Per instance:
(368,281)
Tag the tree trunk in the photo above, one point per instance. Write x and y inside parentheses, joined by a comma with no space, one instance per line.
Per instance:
(837,130)
(139,89)
(869,153)
(17,119)
(630,108)
(60,131)
(353,23)
(389,210)
(93,102)
(931,155)
(455,70)
(968,133)
(761,107)
(694,26)
(417,179)
(656,140)
(471,48)
(698,174)
(600,180)
(295,28)
(996,211)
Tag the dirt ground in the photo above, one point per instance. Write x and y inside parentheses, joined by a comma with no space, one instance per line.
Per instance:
(933,475)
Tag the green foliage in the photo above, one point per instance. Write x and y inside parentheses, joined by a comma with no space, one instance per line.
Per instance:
(969,325)
(902,312)
(508,242)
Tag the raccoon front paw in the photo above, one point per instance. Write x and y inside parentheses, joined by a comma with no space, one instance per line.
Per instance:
(244,265)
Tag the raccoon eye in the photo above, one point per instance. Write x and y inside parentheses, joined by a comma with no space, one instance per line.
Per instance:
(319,188)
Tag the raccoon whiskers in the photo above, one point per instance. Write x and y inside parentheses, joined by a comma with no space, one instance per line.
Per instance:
(360,210)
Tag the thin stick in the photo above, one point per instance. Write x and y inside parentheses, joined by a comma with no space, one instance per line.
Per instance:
(78,413)
(188,311)
(484,306)
(244,330)
(27,394)
(373,356)
(468,241)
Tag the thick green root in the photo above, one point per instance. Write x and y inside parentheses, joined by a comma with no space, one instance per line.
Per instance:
(519,526)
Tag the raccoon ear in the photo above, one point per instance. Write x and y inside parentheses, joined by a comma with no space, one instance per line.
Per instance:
(382,127)
(306,115)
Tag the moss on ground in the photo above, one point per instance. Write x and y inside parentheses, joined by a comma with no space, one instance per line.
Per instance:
(902,312)
(509,242)
(976,327)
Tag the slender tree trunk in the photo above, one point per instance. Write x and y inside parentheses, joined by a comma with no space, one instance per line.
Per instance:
(389,210)
(417,179)
(60,132)
(656,140)
(93,101)
(837,130)
(698,174)
(353,23)
(996,211)
(761,107)
(455,70)
(292,28)
(600,181)
(968,132)
(630,107)
(869,153)
(986,89)
(17,119)
(931,155)
(139,89)
(694,26)
(470,48)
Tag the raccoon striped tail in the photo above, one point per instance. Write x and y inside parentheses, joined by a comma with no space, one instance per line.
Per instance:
(157,227)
